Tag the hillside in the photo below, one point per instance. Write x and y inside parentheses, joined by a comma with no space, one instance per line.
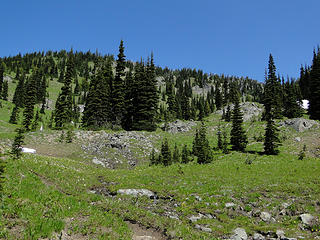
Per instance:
(101,185)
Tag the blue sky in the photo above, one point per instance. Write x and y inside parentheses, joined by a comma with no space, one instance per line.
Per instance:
(232,37)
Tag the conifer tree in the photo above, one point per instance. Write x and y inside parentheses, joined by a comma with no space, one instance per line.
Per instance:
(35,122)
(176,154)
(129,102)
(271,139)
(227,116)
(97,107)
(218,98)
(63,108)
(185,154)
(201,147)
(314,98)
(1,76)
(5,90)
(16,148)
(29,102)
(166,157)
(117,91)
(238,137)
(272,93)
(292,108)
(153,159)
(18,97)
(14,115)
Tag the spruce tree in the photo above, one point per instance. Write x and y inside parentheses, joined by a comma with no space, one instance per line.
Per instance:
(201,147)
(272,94)
(238,137)
(16,148)
(18,97)
(1,76)
(117,91)
(176,154)
(314,98)
(271,139)
(153,159)
(14,115)
(5,91)
(29,102)
(185,154)
(97,106)
(63,108)
(292,108)
(218,98)
(35,122)
(219,133)
(166,157)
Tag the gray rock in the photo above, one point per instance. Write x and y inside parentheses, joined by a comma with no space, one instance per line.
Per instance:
(195,218)
(249,110)
(98,162)
(280,234)
(137,192)
(178,126)
(202,228)
(307,219)
(239,234)
(230,205)
(297,139)
(299,124)
(265,216)
(198,198)
(258,236)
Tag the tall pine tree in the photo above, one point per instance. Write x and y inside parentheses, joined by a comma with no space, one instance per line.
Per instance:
(63,109)
(238,139)
(314,98)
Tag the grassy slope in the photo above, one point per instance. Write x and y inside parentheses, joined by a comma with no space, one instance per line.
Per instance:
(44,196)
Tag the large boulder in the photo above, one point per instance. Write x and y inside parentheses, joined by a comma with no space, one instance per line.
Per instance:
(239,234)
(299,124)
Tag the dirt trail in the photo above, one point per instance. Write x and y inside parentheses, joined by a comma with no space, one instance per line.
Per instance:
(142,233)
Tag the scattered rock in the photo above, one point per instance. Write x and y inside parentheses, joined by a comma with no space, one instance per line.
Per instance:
(137,192)
(230,205)
(258,236)
(239,234)
(202,228)
(178,126)
(265,216)
(307,219)
(280,234)
(298,139)
(98,162)
(299,124)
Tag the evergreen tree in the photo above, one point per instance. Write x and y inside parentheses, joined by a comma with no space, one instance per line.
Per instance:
(314,98)
(227,116)
(271,139)
(18,97)
(16,149)
(117,91)
(272,93)
(5,91)
(97,106)
(185,154)
(166,158)
(225,143)
(176,154)
(129,102)
(14,115)
(218,98)
(292,108)
(201,147)
(35,122)
(63,108)
(153,159)
(238,137)
(1,77)
(29,102)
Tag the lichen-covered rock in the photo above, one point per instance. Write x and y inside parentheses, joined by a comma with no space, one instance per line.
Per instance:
(299,124)
(239,234)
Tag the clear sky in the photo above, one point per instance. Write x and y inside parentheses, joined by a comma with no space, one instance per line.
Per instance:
(233,37)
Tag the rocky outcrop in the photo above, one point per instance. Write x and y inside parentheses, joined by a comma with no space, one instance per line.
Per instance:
(299,124)
(250,110)
(178,126)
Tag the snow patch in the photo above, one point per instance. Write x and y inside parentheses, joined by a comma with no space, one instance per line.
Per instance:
(28,150)
(305,104)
